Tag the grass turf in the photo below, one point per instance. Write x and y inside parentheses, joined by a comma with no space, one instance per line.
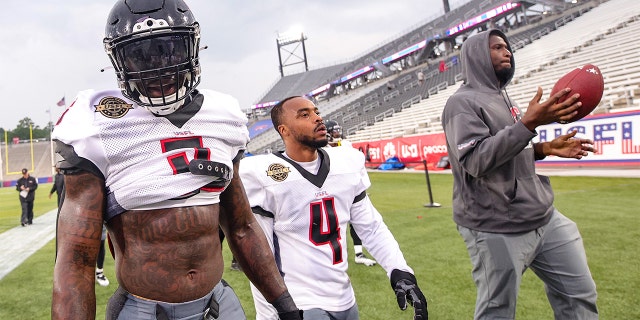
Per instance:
(605,210)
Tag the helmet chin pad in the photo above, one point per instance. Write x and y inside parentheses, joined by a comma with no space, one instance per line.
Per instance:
(160,107)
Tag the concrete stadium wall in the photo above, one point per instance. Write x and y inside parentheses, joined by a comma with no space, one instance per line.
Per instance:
(15,157)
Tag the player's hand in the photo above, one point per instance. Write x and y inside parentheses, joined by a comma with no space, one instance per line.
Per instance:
(567,146)
(406,288)
(541,113)
(291,315)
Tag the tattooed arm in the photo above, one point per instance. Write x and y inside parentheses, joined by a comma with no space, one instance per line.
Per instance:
(247,240)
(78,240)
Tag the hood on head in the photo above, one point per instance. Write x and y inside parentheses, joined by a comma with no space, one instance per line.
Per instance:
(477,69)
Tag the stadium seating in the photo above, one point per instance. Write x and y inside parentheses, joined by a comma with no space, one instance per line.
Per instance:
(19,156)
(420,118)
(607,39)
(301,83)
(437,20)
(610,44)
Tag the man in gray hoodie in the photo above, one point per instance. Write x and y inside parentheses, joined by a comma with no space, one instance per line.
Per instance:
(503,209)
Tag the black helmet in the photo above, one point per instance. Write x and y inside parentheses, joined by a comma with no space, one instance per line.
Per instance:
(153,46)
(332,126)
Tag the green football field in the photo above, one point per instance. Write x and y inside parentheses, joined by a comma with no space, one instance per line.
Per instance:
(605,209)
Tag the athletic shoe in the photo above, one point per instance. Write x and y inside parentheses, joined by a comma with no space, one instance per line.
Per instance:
(362,259)
(102,279)
(235,266)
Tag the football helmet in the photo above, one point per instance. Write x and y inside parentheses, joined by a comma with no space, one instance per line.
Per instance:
(153,46)
(333,127)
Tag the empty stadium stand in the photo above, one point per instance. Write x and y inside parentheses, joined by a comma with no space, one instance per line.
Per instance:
(609,44)
(597,32)
(19,156)
(606,38)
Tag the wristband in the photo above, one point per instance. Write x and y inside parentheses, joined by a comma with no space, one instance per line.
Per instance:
(284,303)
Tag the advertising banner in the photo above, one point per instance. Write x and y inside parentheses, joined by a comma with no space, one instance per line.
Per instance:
(615,135)
(410,150)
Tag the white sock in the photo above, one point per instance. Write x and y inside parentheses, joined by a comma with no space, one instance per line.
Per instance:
(99,270)
(357,249)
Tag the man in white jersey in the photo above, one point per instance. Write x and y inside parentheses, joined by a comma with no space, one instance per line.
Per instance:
(158,161)
(334,134)
(336,139)
(303,199)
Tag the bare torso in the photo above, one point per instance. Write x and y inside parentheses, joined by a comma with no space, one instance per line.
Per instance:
(171,255)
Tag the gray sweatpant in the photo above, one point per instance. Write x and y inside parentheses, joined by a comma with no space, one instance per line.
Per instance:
(554,252)
(319,314)
(141,309)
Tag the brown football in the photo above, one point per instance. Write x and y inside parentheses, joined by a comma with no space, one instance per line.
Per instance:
(588,82)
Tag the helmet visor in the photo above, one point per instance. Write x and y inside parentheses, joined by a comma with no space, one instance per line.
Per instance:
(156,53)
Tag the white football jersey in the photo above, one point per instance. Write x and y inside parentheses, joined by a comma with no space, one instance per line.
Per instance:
(305,217)
(147,160)
(345,143)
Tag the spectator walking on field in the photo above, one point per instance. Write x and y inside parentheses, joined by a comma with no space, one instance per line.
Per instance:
(58,186)
(27,186)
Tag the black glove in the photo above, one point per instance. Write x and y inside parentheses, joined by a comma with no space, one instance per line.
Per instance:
(406,288)
(291,315)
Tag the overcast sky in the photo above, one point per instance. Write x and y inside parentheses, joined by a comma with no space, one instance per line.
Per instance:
(53,48)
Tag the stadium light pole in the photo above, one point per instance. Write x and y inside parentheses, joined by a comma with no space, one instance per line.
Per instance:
(53,171)
(33,165)
(290,38)
(6,151)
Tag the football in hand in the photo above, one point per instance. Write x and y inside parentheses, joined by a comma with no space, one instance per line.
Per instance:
(588,82)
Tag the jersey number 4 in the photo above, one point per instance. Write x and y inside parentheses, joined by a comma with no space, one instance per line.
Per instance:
(325,228)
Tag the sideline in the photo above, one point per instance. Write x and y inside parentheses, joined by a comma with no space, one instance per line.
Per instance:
(17,244)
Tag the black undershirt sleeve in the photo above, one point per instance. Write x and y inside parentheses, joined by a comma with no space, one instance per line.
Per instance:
(72,163)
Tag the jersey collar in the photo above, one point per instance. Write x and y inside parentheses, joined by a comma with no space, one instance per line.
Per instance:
(316,179)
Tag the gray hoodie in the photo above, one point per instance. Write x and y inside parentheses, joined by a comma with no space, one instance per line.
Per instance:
(495,186)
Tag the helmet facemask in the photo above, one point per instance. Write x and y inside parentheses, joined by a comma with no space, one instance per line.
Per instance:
(332,126)
(157,66)
(336,131)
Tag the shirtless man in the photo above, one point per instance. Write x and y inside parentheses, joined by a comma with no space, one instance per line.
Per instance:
(158,161)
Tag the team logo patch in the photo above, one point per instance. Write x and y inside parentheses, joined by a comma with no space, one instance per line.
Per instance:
(112,107)
(278,172)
